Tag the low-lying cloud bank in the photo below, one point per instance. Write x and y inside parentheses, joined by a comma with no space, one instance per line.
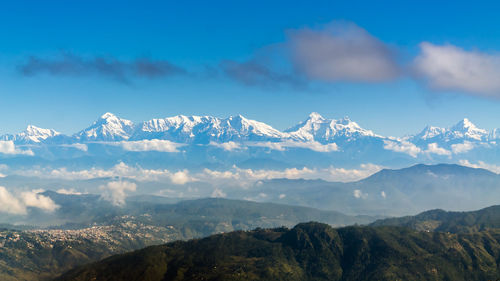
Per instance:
(151,145)
(19,204)
(234,175)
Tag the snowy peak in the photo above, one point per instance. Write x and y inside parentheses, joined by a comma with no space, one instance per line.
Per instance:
(245,128)
(318,128)
(430,132)
(314,116)
(107,128)
(204,129)
(463,130)
(467,129)
(32,135)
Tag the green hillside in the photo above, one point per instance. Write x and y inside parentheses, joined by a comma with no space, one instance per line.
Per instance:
(310,251)
(455,222)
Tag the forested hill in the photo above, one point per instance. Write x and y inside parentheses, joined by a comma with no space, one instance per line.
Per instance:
(310,251)
(455,222)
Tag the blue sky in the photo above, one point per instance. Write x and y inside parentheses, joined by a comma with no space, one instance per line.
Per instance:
(198,37)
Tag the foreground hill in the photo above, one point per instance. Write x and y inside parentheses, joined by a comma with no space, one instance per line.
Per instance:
(455,222)
(310,251)
(41,254)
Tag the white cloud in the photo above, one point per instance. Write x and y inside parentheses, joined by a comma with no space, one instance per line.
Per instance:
(462,147)
(312,145)
(234,175)
(218,193)
(79,146)
(247,176)
(359,194)
(36,200)
(116,191)
(448,67)
(10,204)
(18,204)
(435,149)
(8,147)
(282,196)
(121,170)
(151,145)
(180,177)
(68,191)
(228,146)
(480,164)
(403,147)
(342,52)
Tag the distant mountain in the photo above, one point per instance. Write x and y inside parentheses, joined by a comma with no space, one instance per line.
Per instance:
(317,128)
(316,141)
(309,251)
(107,128)
(204,129)
(95,229)
(390,192)
(464,130)
(455,222)
(32,135)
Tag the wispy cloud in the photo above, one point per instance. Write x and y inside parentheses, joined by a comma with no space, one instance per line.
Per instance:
(258,73)
(482,165)
(403,147)
(435,149)
(337,52)
(462,147)
(312,145)
(342,51)
(230,176)
(150,145)
(67,64)
(448,67)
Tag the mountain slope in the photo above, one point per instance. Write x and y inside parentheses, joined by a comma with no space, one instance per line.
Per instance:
(107,128)
(317,128)
(32,135)
(206,129)
(309,251)
(97,230)
(455,222)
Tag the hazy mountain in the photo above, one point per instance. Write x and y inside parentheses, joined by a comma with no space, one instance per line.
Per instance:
(391,191)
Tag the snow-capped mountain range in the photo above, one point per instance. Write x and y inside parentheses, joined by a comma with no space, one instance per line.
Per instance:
(317,131)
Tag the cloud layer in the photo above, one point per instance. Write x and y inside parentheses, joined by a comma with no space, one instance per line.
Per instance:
(448,67)
(342,52)
(67,64)
(235,175)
